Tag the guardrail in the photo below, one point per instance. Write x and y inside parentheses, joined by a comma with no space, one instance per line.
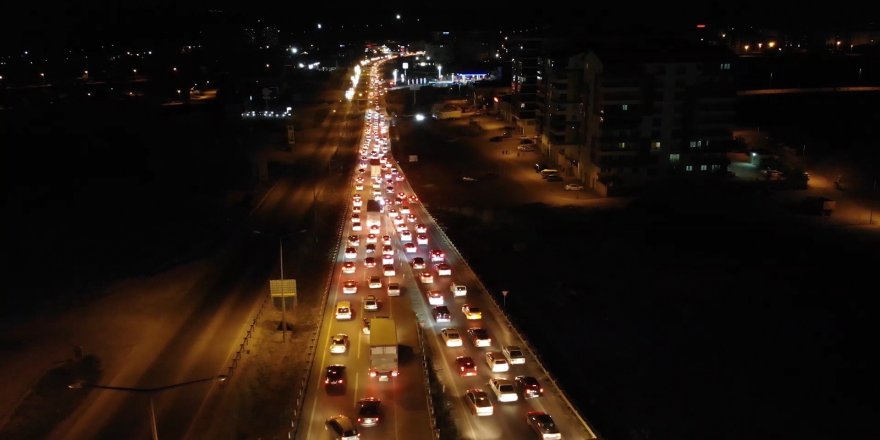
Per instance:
(244,343)
(501,312)
(432,414)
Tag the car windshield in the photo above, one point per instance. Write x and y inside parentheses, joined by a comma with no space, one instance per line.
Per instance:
(343,310)
(515,353)
(546,422)
(506,388)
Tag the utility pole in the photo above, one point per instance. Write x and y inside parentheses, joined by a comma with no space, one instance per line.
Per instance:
(283,305)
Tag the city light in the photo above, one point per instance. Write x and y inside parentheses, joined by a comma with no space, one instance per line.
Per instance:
(420,117)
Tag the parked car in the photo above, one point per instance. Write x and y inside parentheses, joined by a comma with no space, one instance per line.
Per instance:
(573,187)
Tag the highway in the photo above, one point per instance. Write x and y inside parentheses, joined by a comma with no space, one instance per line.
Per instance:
(406,415)
(206,321)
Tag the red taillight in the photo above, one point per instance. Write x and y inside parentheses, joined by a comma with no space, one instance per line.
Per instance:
(360,420)
(394,373)
(326,380)
(542,390)
(340,380)
(462,368)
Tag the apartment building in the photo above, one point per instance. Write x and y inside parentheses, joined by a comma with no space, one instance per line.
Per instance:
(560,111)
(653,111)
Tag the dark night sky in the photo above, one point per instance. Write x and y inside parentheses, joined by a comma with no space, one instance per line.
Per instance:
(27,22)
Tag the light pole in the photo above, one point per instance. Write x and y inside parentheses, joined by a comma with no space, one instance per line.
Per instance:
(439,72)
(148,391)
(504,296)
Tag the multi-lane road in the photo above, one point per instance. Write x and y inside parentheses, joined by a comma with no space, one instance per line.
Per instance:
(404,397)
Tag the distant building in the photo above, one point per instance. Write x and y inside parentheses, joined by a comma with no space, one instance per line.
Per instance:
(560,109)
(653,112)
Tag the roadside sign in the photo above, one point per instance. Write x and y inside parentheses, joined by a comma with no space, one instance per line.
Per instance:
(285,288)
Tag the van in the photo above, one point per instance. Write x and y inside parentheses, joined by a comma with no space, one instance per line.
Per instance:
(343,310)
(548,171)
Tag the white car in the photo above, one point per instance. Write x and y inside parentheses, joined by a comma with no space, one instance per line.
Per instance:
(375,283)
(386,240)
(458,289)
(479,402)
(372,238)
(387,259)
(398,220)
(358,186)
(401,227)
(422,239)
(426,278)
(504,389)
(405,236)
(573,187)
(371,303)
(410,248)
(356,227)
(393,289)
(435,298)
(348,267)
(418,263)
(437,256)
(350,287)
(354,240)
(404,210)
(421,229)
(451,337)
(411,218)
(496,362)
(514,354)
(356,209)
(339,343)
(350,253)
(444,270)
(358,202)
(388,270)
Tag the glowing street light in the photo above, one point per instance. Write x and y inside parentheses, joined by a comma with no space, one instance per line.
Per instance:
(319,25)
(439,72)
(294,50)
(394,73)
(398,16)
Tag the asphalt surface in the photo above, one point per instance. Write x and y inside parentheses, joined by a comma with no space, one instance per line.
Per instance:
(214,312)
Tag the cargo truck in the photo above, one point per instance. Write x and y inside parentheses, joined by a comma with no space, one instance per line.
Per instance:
(375,169)
(374,213)
(383,348)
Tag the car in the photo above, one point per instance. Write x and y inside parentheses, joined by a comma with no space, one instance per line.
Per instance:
(372,239)
(540,166)
(354,240)
(375,283)
(410,248)
(370,249)
(479,402)
(349,287)
(389,189)
(369,411)
(393,289)
(401,194)
(387,249)
(458,290)
(399,220)
(388,270)
(553,178)
(399,178)
(413,199)
(466,366)
(342,428)
(451,337)
(504,389)
(422,239)
(543,425)
(401,227)
(404,210)
(356,209)
(480,337)
(387,259)
(437,255)
(366,328)
(350,253)
(496,362)
(514,354)
(386,240)
(471,312)
(444,270)
(339,343)
(418,263)
(421,229)
(357,227)
(529,387)
(371,303)
(526,148)
(441,314)
(411,218)
(358,201)
(348,267)
(573,187)
(426,278)
(334,375)
(398,201)
(405,236)
(376,193)
(435,298)
(369,262)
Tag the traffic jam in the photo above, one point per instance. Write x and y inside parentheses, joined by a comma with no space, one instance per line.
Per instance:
(385,232)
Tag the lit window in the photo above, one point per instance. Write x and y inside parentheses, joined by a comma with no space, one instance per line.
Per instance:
(655,145)
(674,157)
(703,167)
(693,144)
(716,167)
(625,107)
(699,143)
(621,145)
(726,66)
(689,168)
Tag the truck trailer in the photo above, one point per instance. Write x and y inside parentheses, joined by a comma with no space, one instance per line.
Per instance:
(383,348)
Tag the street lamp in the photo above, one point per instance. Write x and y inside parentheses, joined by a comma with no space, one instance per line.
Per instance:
(439,72)
(149,391)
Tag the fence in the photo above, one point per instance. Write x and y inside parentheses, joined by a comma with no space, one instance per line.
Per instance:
(245,341)
(426,366)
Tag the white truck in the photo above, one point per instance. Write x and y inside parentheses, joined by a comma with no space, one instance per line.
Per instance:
(383,348)
(375,169)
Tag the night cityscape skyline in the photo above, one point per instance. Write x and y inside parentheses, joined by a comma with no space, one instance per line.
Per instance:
(449,221)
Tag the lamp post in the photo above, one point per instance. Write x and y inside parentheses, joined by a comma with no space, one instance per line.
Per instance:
(148,391)
(504,296)
(439,72)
